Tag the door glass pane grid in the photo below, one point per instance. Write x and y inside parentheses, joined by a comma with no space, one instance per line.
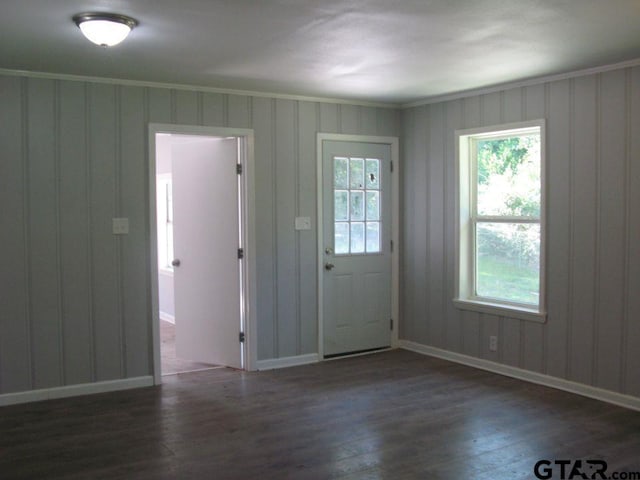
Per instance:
(357,196)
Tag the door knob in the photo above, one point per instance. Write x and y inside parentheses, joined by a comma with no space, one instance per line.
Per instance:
(329,266)
(176,262)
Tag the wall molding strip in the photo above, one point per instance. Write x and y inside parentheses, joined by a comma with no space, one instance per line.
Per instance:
(74,390)
(340,101)
(595,393)
(521,83)
(192,88)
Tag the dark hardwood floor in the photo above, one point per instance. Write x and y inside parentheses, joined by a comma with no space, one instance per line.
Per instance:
(391,415)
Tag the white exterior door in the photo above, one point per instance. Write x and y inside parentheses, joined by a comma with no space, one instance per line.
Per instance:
(356,246)
(206,241)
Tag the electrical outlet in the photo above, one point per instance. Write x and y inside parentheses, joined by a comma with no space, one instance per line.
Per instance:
(120,226)
(303,223)
(493,343)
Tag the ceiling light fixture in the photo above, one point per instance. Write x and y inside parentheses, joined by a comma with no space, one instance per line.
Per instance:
(105,29)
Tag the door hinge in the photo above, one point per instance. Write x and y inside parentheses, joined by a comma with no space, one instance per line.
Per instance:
(241,337)
(391,163)
(391,324)
(239,169)
(241,253)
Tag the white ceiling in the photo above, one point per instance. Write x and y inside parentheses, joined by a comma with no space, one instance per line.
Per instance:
(368,50)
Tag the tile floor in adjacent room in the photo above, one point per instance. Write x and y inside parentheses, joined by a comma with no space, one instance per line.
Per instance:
(171,363)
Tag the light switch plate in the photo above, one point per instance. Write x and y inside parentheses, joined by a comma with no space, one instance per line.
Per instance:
(303,223)
(120,226)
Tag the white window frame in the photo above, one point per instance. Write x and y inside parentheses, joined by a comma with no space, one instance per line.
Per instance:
(466,196)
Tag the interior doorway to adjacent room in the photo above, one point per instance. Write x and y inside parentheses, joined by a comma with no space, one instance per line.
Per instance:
(201,278)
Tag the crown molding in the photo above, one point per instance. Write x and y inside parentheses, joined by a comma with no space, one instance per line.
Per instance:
(192,88)
(521,83)
(339,101)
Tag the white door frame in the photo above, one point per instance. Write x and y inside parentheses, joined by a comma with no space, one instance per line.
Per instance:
(247,226)
(393,142)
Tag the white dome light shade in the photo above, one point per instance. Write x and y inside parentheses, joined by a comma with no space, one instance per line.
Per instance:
(105,29)
(104,32)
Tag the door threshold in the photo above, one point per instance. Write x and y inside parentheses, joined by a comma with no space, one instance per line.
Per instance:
(215,367)
(357,353)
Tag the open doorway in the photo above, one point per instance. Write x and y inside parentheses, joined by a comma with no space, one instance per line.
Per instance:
(173,151)
(202,295)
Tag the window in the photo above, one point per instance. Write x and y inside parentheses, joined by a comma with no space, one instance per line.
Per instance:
(501,220)
(356,197)
(165,221)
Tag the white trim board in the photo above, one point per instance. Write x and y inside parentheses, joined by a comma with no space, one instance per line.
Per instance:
(521,83)
(595,393)
(75,390)
(339,101)
(284,362)
(193,88)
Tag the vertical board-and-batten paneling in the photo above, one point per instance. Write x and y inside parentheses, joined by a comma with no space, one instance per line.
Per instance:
(134,255)
(75,298)
(15,332)
(631,328)
(78,360)
(105,282)
(285,201)
(43,264)
(452,322)
(307,125)
(593,229)
(263,125)
(559,218)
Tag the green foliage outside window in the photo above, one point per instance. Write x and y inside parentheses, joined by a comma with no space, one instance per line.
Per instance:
(508,187)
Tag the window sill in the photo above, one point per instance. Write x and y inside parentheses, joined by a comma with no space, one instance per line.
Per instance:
(529,314)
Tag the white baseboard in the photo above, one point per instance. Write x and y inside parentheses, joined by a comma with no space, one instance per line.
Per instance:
(74,390)
(608,396)
(167,317)
(287,361)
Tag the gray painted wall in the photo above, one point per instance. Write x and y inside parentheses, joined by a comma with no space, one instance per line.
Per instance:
(75,299)
(592,335)
(75,304)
